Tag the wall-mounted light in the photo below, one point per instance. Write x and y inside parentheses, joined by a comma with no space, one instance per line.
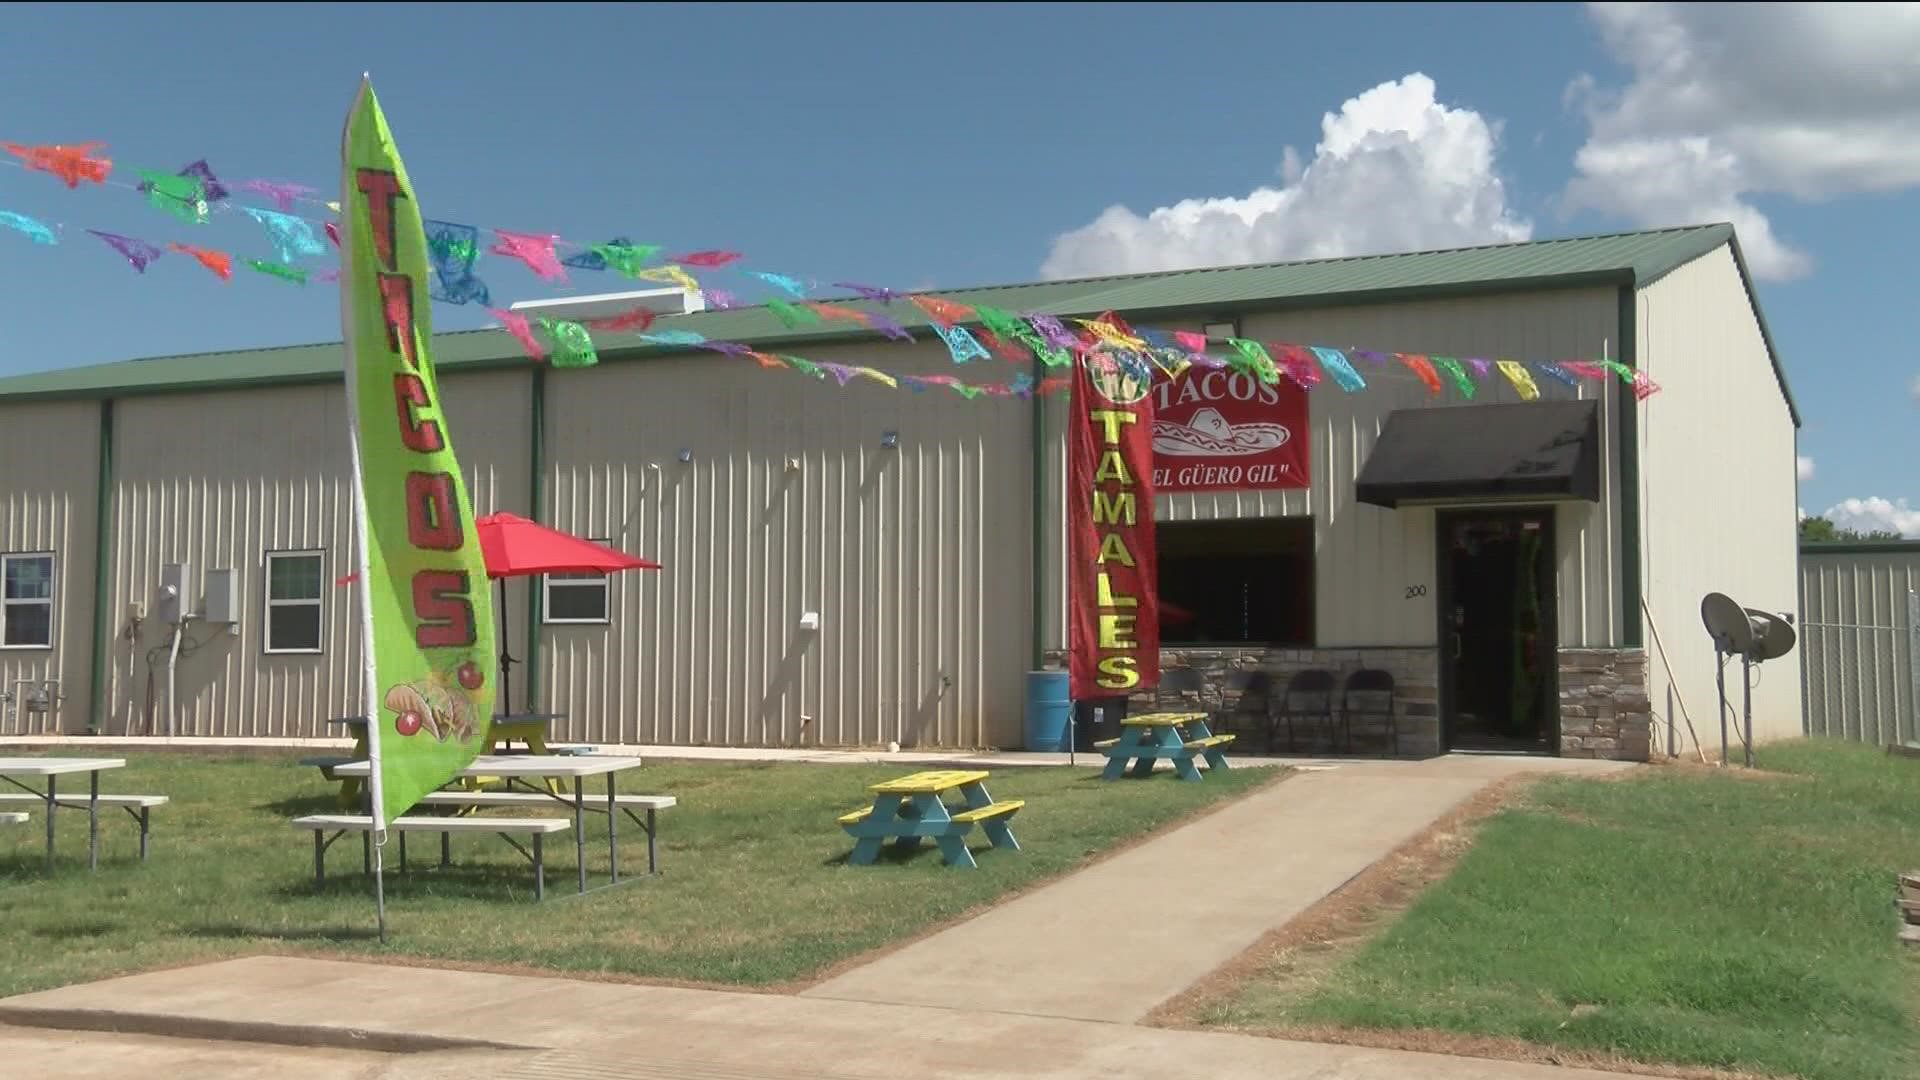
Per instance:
(686,455)
(1220,331)
(793,464)
(889,440)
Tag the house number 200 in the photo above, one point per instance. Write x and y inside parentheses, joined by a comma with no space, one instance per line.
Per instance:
(1416,590)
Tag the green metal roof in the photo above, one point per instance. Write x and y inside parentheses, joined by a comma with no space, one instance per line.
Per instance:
(1622,259)
(1860,547)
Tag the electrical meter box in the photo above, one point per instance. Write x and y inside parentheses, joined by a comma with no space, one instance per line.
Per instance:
(221,603)
(173,600)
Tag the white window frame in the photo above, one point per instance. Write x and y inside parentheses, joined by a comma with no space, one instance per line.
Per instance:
(53,629)
(577,581)
(318,603)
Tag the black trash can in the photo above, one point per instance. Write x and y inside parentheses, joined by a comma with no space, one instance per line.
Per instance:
(1088,729)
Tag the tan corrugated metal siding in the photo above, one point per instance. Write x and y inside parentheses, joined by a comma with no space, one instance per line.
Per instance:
(49,470)
(218,481)
(1366,556)
(1717,492)
(916,558)
(1856,644)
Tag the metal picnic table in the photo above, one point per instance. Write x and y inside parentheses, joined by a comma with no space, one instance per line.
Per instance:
(1150,737)
(527,728)
(910,809)
(550,767)
(48,769)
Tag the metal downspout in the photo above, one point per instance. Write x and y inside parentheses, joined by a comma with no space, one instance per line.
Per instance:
(102,577)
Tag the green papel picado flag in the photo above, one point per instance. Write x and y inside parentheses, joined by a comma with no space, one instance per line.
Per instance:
(427,622)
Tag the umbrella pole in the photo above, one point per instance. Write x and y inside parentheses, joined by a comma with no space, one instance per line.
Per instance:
(505,706)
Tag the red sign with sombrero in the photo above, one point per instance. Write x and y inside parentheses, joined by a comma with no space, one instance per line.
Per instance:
(1220,430)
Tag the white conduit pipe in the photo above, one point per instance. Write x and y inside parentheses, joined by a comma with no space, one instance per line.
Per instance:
(173,658)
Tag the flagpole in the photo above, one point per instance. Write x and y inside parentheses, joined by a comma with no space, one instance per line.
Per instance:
(370,691)
(380,888)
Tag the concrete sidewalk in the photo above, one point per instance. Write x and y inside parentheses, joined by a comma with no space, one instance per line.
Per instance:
(81,1055)
(1114,940)
(582,1030)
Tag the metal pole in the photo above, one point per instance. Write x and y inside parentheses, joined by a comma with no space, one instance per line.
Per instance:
(51,803)
(1746,678)
(613,849)
(93,820)
(1720,680)
(380,890)
(580,833)
(505,705)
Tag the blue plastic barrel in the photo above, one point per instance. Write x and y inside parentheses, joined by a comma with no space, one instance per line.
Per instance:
(1048,710)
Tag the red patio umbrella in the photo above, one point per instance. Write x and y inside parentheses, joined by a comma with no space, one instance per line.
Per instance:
(516,547)
(513,546)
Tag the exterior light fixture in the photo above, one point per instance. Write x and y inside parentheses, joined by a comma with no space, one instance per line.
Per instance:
(889,440)
(685,455)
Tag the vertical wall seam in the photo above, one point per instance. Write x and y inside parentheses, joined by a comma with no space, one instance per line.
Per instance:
(536,475)
(1630,620)
(102,553)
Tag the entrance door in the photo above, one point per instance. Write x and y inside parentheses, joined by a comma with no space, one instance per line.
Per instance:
(1498,674)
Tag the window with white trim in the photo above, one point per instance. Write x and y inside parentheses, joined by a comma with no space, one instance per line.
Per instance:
(575,598)
(26,601)
(295,585)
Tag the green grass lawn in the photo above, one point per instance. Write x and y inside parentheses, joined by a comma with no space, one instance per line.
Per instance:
(754,888)
(1699,918)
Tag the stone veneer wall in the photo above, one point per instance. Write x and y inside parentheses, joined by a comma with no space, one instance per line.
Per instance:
(1604,709)
(1416,698)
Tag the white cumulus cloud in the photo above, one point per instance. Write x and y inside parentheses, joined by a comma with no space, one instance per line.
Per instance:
(1728,102)
(1874,514)
(1395,170)
(1803,467)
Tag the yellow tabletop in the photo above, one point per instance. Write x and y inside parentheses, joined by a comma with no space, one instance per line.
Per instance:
(1161,719)
(923,783)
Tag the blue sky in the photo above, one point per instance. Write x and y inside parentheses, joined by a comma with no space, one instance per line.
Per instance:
(945,146)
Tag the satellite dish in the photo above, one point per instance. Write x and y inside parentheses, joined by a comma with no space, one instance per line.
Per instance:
(1728,623)
(1772,635)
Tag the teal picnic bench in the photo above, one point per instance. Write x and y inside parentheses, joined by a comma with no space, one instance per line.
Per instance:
(911,809)
(1152,737)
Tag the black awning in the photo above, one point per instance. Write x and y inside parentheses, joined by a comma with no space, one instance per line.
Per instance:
(1542,449)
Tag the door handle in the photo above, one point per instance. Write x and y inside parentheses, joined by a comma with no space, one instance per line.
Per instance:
(1456,645)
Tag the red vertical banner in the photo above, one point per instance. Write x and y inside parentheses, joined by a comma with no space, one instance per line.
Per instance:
(1113,599)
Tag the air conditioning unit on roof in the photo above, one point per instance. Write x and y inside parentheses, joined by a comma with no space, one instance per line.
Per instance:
(579,308)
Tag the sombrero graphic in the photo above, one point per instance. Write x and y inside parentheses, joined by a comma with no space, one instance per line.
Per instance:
(1207,434)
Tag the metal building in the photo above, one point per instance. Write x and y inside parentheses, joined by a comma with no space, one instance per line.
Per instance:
(859,564)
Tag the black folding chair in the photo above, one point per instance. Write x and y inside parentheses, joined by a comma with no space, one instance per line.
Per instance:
(1250,703)
(1176,683)
(1309,696)
(1375,691)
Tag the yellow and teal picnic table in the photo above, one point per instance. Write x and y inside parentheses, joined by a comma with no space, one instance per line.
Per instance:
(912,809)
(1151,737)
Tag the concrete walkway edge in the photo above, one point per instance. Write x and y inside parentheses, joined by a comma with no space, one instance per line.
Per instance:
(601,1030)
